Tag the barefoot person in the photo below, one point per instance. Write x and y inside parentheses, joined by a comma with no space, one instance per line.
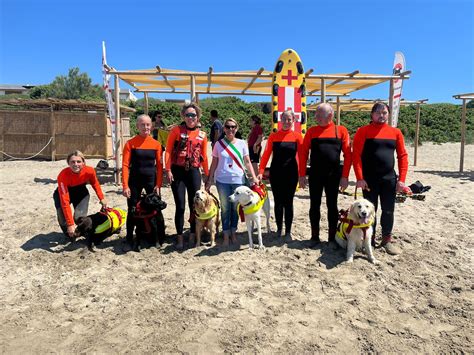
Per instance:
(185,155)
(373,153)
(284,145)
(72,188)
(326,142)
(141,169)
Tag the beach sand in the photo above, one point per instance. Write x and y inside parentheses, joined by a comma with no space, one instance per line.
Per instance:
(59,297)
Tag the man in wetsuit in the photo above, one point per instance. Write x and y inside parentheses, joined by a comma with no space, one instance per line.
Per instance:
(326,141)
(141,169)
(373,155)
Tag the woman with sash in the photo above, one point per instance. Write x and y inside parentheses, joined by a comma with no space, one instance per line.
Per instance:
(230,157)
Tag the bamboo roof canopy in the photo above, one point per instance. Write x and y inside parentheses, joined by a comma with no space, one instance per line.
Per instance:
(257,82)
(351,105)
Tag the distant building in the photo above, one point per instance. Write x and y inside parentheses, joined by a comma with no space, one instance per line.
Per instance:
(7,89)
(126,95)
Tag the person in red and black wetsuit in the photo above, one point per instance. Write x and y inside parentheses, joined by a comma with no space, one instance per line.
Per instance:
(72,188)
(186,153)
(141,169)
(374,162)
(326,141)
(285,145)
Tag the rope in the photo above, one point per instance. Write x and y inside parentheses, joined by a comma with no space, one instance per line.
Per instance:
(15,158)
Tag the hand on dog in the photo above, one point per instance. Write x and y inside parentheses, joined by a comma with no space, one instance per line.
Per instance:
(157,190)
(70,231)
(126,192)
(103,202)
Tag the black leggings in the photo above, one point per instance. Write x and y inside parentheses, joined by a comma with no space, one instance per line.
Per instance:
(384,188)
(183,181)
(136,185)
(330,185)
(283,183)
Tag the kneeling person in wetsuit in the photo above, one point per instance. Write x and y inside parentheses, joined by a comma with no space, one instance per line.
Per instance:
(141,169)
(72,188)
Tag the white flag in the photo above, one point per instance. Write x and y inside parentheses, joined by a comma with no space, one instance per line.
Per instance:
(398,67)
(108,98)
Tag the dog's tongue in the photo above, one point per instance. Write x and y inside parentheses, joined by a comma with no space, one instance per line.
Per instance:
(364,220)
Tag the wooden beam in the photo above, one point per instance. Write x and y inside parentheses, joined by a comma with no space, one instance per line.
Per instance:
(145,103)
(338,110)
(118,129)
(193,88)
(323,91)
(463,134)
(390,102)
(417,134)
(309,71)
(209,73)
(52,123)
(253,80)
(165,78)
(350,75)
(229,93)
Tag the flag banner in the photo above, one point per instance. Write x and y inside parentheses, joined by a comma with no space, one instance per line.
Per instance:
(109,99)
(398,67)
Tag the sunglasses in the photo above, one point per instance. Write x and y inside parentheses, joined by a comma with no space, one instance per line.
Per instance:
(230,127)
(190,115)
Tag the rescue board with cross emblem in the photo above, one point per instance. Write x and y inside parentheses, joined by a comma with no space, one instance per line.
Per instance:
(289,90)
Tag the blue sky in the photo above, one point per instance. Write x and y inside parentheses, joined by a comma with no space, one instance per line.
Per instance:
(41,39)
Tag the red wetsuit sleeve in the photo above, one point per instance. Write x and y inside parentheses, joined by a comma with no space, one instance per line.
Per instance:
(172,138)
(64,196)
(402,157)
(159,166)
(299,150)
(357,147)
(346,151)
(266,154)
(92,176)
(126,165)
(205,163)
(305,151)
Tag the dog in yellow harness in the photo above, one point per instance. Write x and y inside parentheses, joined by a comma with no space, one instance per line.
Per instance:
(206,215)
(251,203)
(98,226)
(354,231)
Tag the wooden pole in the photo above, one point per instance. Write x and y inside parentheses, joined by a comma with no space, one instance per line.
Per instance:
(417,133)
(118,129)
(193,89)
(52,124)
(323,91)
(145,99)
(463,134)
(390,102)
(338,110)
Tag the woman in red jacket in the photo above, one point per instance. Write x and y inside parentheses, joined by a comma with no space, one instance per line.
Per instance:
(72,188)
(185,155)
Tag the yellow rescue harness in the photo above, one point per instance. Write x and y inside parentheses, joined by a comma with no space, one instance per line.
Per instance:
(255,208)
(116,218)
(346,224)
(207,215)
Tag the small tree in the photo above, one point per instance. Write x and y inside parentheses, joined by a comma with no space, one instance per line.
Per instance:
(75,85)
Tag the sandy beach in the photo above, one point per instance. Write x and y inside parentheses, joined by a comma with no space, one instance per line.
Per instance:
(58,297)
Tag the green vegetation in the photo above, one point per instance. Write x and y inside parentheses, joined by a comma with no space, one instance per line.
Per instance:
(75,85)
(439,123)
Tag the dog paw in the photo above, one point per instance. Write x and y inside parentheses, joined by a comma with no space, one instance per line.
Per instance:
(373,261)
(349,261)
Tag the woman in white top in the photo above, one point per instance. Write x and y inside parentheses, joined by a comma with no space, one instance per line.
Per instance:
(230,156)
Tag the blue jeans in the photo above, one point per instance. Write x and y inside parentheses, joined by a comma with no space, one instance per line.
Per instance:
(229,215)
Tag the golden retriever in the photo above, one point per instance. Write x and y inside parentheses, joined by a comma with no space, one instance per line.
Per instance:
(354,231)
(207,215)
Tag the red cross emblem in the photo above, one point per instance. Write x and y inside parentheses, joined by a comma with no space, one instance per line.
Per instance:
(289,77)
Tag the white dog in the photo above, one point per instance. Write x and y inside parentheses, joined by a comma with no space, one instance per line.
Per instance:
(354,231)
(252,204)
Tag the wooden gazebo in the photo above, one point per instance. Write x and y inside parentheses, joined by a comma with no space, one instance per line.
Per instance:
(465,98)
